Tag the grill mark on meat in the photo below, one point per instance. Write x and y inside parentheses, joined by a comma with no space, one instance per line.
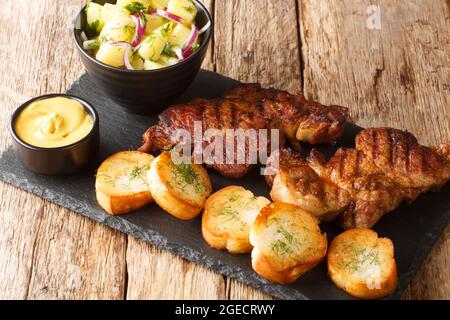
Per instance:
(424,163)
(391,149)
(407,158)
(374,142)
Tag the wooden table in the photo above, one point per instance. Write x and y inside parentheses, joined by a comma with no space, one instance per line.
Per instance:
(393,72)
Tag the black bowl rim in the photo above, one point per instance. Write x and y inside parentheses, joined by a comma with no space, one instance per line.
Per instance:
(91,110)
(205,43)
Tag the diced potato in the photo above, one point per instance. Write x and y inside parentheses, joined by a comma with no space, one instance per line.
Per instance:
(165,31)
(152,65)
(111,54)
(113,12)
(124,3)
(118,30)
(152,47)
(153,22)
(159,4)
(137,63)
(180,35)
(185,9)
(94,14)
(167,60)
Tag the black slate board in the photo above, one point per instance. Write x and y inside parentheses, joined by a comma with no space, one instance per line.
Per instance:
(413,228)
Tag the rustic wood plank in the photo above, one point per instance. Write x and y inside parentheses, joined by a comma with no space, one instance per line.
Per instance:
(396,76)
(46,252)
(76,258)
(20,217)
(257,41)
(156,274)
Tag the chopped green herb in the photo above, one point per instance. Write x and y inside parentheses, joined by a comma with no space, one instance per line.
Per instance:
(234,197)
(195,47)
(229,213)
(166,28)
(189,9)
(128,29)
(138,172)
(95,45)
(143,19)
(281,248)
(188,176)
(91,30)
(167,49)
(288,236)
(135,7)
(102,39)
(150,40)
(360,257)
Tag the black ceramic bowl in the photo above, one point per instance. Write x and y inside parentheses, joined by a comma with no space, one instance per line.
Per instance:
(62,160)
(145,92)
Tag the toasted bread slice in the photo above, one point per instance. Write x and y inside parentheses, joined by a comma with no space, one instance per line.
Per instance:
(227,217)
(287,242)
(121,182)
(362,264)
(180,189)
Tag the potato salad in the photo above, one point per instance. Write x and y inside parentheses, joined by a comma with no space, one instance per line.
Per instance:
(142,34)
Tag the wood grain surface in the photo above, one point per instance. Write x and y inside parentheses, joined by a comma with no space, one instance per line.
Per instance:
(395,75)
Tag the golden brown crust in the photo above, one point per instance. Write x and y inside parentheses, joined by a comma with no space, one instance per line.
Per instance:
(287,242)
(297,183)
(303,120)
(372,193)
(362,264)
(121,185)
(227,217)
(401,158)
(179,197)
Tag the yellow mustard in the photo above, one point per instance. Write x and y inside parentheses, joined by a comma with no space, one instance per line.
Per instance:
(54,122)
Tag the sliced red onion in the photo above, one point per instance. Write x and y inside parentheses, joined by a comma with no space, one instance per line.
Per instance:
(126,56)
(83,36)
(179,53)
(187,49)
(140,29)
(168,15)
(126,59)
(87,44)
(205,28)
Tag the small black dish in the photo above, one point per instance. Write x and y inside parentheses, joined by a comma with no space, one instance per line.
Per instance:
(62,160)
(149,91)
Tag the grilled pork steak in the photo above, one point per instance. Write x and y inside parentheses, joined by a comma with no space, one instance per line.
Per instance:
(387,167)
(248,106)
